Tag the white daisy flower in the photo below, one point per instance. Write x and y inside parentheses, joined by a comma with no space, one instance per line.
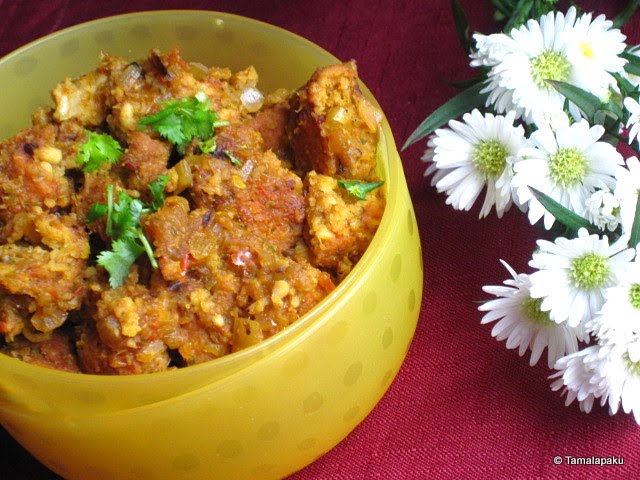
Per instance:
(601,371)
(557,47)
(476,153)
(432,169)
(603,210)
(524,325)
(622,377)
(593,49)
(633,107)
(619,319)
(627,188)
(574,376)
(567,164)
(490,49)
(574,273)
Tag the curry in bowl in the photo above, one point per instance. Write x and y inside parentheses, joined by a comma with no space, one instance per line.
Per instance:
(164,213)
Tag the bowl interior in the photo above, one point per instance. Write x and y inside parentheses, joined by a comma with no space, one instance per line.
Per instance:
(281,58)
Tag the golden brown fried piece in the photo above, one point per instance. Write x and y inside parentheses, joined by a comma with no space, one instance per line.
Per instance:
(238,288)
(263,196)
(129,332)
(339,226)
(334,130)
(32,172)
(56,351)
(145,159)
(43,264)
(271,123)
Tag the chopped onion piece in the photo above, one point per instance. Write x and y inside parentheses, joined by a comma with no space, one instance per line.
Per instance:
(252,99)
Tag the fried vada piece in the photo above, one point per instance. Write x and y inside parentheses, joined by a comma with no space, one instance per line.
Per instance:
(271,123)
(261,194)
(138,89)
(339,227)
(274,294)
(56,351)
(179,238)
(83,99)
(42,265)
(145,159)
(240,288)
(128,331)
(333,128)
(32,172)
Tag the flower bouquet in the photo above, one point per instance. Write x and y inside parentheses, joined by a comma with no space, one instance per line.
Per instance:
(546,125)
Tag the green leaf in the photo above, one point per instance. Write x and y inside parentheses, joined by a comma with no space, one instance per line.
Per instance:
(614,108)
(97,211)
(157,192)
(97,150)
(503,6)
(519,15)
(462,24)
(124,228)
(633,62)
(359,189)
(626,13)
(585,101)
(126,216)
(234,161)
(570,219)
(209,146)
(469,82)
(626,87)
(462,103)
(542,7)
(180,121)
(119,259)
(634,236)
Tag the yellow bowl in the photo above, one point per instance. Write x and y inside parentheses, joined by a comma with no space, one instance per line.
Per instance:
(264,412)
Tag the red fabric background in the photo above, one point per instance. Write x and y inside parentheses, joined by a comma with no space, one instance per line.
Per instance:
(462,406)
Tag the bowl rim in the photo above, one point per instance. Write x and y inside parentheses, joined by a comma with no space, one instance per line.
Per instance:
(389,168)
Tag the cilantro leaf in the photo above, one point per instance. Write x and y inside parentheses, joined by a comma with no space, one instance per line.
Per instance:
(125,216)
(209,146)
(234,161)
(357,188)
(119,259)
(99,149)
(157,189)
(180,121)
(124,227)
(96,212)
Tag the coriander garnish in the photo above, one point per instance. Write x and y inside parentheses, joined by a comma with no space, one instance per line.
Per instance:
(357,188)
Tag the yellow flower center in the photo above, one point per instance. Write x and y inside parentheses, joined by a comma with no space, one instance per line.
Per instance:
(632,367)
(634,295)
(589,271)
(549,65)
(490,158)
(568,166)
(586,49)
(530,309)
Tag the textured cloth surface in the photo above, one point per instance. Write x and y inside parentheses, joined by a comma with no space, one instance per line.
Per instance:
(462,405)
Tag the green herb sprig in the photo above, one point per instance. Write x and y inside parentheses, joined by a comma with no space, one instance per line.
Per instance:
(180,121)
(123,225)
(359,189)
(99,149)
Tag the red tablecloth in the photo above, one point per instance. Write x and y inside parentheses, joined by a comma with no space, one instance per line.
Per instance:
(462,406)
